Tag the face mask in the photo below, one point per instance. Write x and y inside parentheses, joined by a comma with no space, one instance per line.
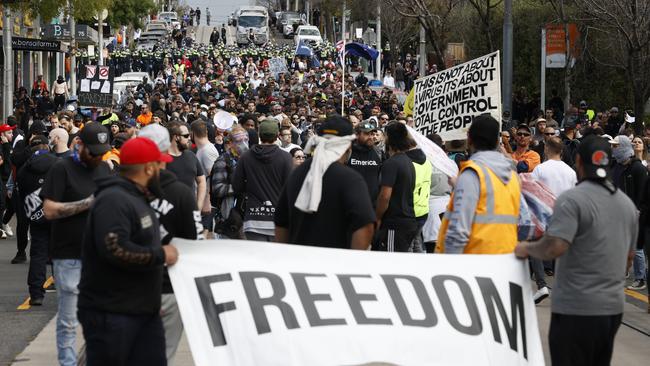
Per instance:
(239,149)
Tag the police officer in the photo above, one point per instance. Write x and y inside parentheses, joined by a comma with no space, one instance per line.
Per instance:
(120,311)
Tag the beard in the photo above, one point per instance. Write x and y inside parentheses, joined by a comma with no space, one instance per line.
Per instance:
(89,160)
(154,187)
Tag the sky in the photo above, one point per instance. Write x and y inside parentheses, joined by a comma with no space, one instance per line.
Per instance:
(219,10)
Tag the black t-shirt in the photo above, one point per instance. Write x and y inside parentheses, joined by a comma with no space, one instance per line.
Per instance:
(186,167)
(344,208)
(69,181)
(398,173)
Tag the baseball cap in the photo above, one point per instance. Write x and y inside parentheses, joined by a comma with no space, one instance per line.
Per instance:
(5,127)
(269,127)
(141,150)
(336,125)
(523,126)
(365,126)
(157,134)
(95,138)
(583,104)
(571,122)
(39,140)
(596,154)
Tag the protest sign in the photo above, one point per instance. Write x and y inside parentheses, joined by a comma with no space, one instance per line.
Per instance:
(252,303)
(278,65)
(96,86)
(446,101)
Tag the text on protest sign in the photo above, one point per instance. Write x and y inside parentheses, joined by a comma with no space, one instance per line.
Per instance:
(96,88)
(248,303)
(446,102)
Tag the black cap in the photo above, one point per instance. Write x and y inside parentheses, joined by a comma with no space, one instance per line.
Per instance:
(571,122)
(365,126)
(38,140)
(523,126)
(596,154)
(95,138)
(336,125)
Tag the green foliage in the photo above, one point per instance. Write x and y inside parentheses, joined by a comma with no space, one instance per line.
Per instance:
(125,12)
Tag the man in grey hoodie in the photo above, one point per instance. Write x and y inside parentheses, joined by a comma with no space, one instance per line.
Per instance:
(462,215)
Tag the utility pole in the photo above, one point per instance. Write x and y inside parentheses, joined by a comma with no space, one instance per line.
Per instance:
(37,31)
(8,76)
(100,32)
(506,88)
(73,49)
(423,51)
(542,84)
(378,61)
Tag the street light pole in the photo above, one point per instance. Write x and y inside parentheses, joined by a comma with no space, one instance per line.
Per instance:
(73,58)
(423,51)
(378,61)
(506,88)
(8,77)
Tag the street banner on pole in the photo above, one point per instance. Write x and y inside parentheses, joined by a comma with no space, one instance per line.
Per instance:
(96,86)
(446,102)
(556,45)
(251,303)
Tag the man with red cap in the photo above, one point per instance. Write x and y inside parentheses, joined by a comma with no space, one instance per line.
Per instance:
(122,263)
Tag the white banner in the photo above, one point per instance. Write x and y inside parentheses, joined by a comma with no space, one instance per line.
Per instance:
(446,101)
(253,303)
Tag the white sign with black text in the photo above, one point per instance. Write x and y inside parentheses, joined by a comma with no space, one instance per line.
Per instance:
(446,101)
(253,303)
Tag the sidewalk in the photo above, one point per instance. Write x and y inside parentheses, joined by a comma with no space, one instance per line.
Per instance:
(631,346)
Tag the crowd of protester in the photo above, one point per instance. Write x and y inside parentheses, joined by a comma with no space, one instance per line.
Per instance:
(217,145)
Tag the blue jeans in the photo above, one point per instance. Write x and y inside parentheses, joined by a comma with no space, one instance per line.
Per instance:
(639,265)
(67,273)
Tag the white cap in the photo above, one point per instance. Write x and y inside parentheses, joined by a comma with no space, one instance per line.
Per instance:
(224,120)
(157,134)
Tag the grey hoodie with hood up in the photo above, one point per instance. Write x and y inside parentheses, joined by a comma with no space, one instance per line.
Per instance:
(466,196)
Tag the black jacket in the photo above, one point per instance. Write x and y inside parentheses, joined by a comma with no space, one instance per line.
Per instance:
(29,181)
(367,162)
(178,215)
(260,175)
(122,256)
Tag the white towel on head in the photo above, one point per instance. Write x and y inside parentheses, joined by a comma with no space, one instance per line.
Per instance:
(326,150)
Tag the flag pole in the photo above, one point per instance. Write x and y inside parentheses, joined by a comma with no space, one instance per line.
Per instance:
(343,62)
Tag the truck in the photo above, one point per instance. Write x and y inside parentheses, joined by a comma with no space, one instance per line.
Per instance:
(251,19)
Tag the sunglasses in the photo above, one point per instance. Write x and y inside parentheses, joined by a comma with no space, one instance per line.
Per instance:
(187,135)
(523,134)
(505,136)
(549,133)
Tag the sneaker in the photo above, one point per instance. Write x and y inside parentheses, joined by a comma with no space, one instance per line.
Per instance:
(7,229)
(36,301)
(21,257)
(51,288)
(637,285)
(3,234)
(541,294)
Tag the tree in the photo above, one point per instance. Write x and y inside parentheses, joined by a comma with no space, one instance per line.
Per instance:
(434,16)
(624,25)
(48,9)
(485,10)
(398,30)
(129,12)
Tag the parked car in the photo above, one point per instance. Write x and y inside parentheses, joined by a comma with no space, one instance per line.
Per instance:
(288,18)
(170,17)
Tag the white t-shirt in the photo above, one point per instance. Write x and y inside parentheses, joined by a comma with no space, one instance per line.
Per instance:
(389,81)
(556,175)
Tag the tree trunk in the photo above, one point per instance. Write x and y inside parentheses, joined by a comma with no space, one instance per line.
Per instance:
(440,54)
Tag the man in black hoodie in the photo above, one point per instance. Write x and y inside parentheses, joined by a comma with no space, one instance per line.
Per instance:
(259,176)
(121,278)
(29,180)
(179,218)
(365,159)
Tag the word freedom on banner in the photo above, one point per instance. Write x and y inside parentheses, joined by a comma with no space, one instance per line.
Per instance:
(446,101)
(316,306)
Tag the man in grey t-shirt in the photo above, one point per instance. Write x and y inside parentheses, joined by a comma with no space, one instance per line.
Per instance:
(593,234)
(207,154)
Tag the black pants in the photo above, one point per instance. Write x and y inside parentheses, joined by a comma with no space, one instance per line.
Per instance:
(38,255)
(119,339)
(395,238)
(59,101)
(582,340)
(22,222)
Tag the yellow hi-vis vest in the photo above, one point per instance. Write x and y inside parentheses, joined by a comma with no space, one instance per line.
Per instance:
(494,229)
(422,188)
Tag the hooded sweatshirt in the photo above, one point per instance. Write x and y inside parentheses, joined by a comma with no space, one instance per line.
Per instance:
(30,180)
(178,215)
(466,196)
(122,255)
(259,176)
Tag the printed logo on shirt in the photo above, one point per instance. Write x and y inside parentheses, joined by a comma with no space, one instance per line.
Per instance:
(146,222)
(354,161)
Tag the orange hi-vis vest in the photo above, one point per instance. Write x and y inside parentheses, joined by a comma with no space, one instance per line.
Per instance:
(494,228)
